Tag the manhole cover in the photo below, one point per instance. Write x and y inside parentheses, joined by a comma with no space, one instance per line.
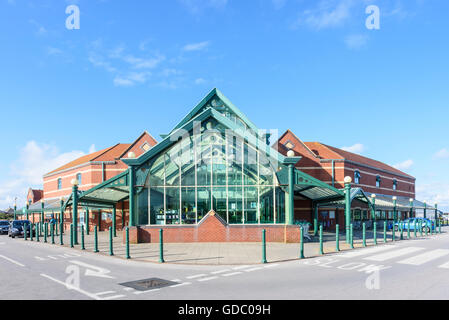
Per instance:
(148,284)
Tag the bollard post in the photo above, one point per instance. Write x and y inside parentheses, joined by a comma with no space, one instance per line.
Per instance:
(37,232)
(337,238)
(31,231)
(402,231)
(161,245)
(96,239)
(127,243)
(321,240)
(82,238)
(56,224)
(427,229)
(52,230)
(301,243)
(393,234)
(375,233)
(24,228)
(420,228)
(414,228)
(385,231)
(61,235)
(71,235)
(351,236)
(111,248)
(439,226)
(45,232)
(408,230)
(364,234)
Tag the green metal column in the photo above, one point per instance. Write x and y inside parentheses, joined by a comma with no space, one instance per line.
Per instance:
(75,211)
(37,231)
(71,235)
(61,215)
(27,213)
(52,231)
(375,234)
(301,242)
(87,221)
(291,194)
(348,181)
(385,231)
(321,240)
(131,222)
(436,216)
(351,235)
(425,209)
(111,248)
(45,232)
(161,244)
(127,243)
(42,217)
(82,238)
(373,208)
(96,239)
(114,220)
(315,220)
(364,234)
(337,238)
(15,212)
(61,235)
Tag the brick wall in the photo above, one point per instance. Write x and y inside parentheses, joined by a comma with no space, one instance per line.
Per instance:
(213,229)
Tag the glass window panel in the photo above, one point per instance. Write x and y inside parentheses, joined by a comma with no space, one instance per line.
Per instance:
(265,170)
(188,205)
(235,205)
(219,166)
(266,205)
(219,201)
(172,205)
(157,205)
(280,205)
(234,161)
(187,163)
(172,161)
(156,176)
(142,207)
(204,204)
(204,165)
(251,197)
(250,165)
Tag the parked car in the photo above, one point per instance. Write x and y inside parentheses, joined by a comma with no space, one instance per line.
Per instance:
(4,226)
(426,224)
(17,228)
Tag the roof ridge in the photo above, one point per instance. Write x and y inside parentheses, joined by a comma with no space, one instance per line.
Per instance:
(104,151)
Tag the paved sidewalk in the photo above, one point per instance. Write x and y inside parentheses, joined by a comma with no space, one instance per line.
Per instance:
(223,253)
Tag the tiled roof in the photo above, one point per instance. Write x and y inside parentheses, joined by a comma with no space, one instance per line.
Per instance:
(108,154)
(329,152)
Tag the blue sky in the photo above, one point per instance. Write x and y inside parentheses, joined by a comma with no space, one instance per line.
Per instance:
(311,66)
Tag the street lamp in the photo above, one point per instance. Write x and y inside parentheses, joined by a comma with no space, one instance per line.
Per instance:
(348,181)
(75,184)
(131,155)
(411,207)
(425,209)
(395,218)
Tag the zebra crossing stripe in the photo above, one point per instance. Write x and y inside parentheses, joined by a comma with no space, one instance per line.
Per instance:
(444,266)
(362,252)
(425,257)
(393,254)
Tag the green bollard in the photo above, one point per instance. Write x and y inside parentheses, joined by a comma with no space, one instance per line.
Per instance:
(393,233)
(364,234)
(414,228)
(52,229)
(321,240)
(385,231)
(161,246)
(61,235)
(301,243)
(351,236)
(439,226)
(111,245)
(337,238)
(127,243)
(71,236)
(24,228)
(45,233)
(408,230)
(31,231)
(37,232)
(375,233)
(96,239)
(56,226)
(82,238)
(402,231)
(427,229)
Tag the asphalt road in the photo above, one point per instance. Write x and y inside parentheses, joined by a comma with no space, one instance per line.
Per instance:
(409,269)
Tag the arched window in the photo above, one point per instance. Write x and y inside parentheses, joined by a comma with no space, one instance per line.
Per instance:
(357,177)
(378,180)
(395,184)
(59,184)
(78,177)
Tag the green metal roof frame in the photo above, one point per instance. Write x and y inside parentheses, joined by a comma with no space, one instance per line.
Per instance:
(356,194)
(310,187)
(205,100)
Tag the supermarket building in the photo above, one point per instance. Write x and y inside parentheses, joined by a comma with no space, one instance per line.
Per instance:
(217,177)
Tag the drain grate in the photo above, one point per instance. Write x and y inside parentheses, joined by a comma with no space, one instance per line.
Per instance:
(148,284)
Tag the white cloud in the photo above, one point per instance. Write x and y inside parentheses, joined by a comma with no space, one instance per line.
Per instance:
(278,4)
(51,51)
(98,61)
(356,41)
(356,148)
(142,63)
(196,46)
(407,164)
(442,154)
(131,79)
(434,192)
(328,13)
(200,81)
(34,160)
(92,149)
(197,6)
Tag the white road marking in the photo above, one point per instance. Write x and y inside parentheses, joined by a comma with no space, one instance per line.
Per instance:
(240,267)
(362,252)
(231,274)
(271,265)
(105,292)
(128,289)
(180,285)
(142,292)
(254,269)
(88,294)
(425,257)
(12,261)
(207,279)
(175,280)
(114,297)
(196,276)
(444,266)
(393,254)
(220,271)
(93,271)
(39,258)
